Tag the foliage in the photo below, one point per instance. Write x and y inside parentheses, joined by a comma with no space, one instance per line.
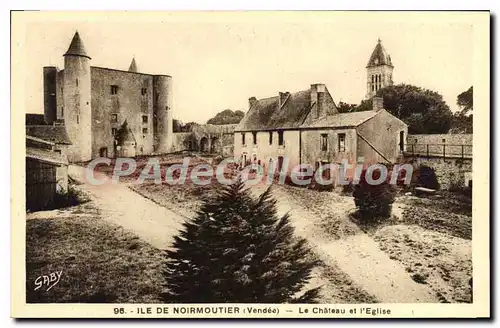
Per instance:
(461,123)
(343,107)
(227,117)
(68,198)
(465,101)
(237,250)
(423,110)
(178,126)
(462,120)
(373,201)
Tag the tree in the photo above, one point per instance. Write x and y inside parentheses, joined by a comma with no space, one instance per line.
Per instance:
(462,120)
(423,110)
(237,250)
(373,201)
(227,117)
(465,101)
(343,107)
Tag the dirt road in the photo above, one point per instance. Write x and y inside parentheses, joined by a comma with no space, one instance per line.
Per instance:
(152,223)
(357,255)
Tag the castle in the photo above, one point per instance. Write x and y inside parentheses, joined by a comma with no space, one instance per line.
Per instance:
(108,112)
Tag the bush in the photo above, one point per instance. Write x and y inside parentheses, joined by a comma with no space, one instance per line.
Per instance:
(68,198)
(374,201)
(237,250)
(427,177)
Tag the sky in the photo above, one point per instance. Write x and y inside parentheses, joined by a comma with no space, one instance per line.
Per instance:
(219,60)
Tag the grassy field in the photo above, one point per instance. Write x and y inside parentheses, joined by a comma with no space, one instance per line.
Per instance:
(99,262)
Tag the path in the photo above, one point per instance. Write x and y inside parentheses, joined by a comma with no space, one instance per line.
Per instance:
(151,222)
(359,256)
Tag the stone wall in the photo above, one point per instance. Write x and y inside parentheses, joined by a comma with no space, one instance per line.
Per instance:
(449,172)
(128,104)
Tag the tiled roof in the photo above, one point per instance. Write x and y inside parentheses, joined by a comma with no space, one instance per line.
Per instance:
(379,56)
(76,48)
(266,114)
(343,120)
(54,133)
(45,156)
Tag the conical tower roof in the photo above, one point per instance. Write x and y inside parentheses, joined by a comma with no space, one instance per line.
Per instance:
(133,66)
(76,48)
(379,56)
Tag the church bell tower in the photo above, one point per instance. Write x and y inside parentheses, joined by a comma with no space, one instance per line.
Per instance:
(378,70)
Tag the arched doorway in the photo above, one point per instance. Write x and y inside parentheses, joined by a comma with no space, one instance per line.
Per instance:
(204,145)
(214,145)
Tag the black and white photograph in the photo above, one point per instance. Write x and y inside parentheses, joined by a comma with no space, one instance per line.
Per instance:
(251,164)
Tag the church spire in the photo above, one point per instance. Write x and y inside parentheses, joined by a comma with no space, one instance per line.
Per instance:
(378,70)
(133,66)
(76,48)
(379,56)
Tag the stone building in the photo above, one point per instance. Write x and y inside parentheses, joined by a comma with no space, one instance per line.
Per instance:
(94,102)
(379,70)
(305,127)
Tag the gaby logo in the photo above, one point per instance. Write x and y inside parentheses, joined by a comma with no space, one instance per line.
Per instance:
(204,173)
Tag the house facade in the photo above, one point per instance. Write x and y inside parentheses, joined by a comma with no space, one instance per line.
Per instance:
(305,128)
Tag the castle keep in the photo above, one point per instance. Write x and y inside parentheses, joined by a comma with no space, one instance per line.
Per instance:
(108,112)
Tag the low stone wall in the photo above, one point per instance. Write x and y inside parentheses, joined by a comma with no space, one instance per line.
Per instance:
(451,173)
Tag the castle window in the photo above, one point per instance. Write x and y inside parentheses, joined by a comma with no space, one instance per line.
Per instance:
(114,89)
(62,111)
(280,138)
(243,139)
(76,82)
(270,137)
(144,119)
(114,118)
(324,142)
(254,134)
(144,91)
(341,142)
(113,131)
(144,130)
(77,119)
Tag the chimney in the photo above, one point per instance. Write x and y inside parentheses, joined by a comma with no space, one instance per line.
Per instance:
(318,97)
(283,97)
(377,103)
(251,101)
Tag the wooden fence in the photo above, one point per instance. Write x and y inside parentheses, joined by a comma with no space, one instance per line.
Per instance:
(41,184)
(444,150)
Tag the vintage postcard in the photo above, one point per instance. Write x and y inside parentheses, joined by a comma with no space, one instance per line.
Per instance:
(250,164)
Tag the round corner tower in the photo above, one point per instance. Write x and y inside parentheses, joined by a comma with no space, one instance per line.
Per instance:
(77,101)
(378,70)
(162,85)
